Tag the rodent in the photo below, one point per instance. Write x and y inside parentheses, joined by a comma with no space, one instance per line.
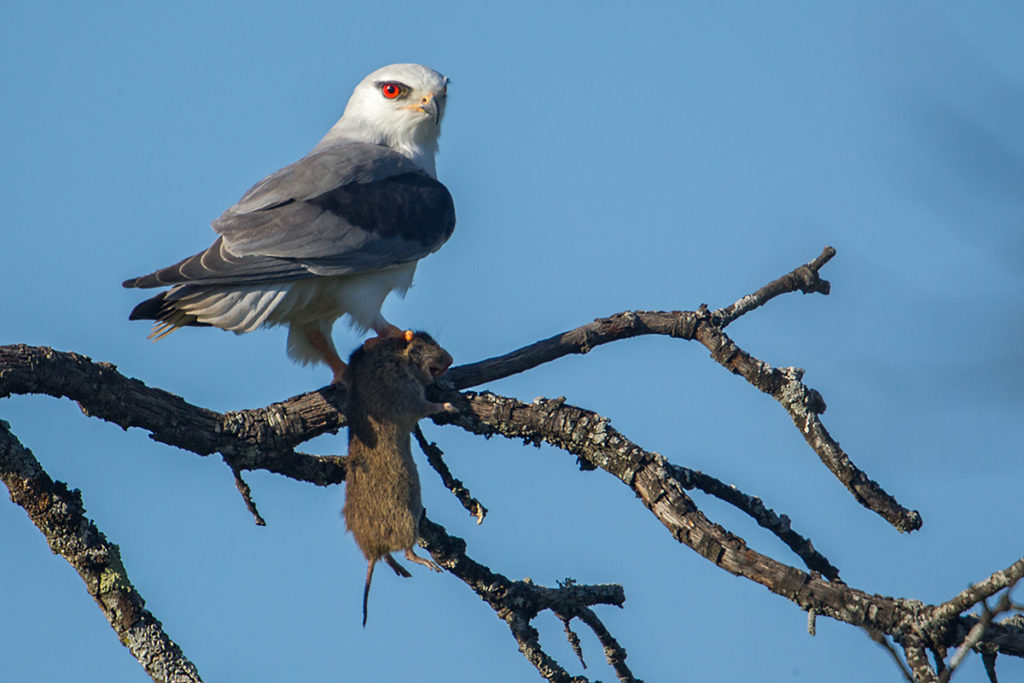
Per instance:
(386,378)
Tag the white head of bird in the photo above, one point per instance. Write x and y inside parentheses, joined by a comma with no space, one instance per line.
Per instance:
(399,106)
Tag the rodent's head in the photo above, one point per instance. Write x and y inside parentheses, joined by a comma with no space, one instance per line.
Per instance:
(423,357)
(386,379)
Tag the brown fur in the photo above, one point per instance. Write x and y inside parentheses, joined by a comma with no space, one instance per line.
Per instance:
(386,379)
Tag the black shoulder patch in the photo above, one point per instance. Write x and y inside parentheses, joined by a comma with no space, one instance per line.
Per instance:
(412,206)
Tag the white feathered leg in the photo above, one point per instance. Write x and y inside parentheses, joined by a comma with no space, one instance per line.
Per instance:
(312,343)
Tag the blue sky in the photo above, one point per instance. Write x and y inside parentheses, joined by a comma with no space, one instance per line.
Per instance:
(602,157)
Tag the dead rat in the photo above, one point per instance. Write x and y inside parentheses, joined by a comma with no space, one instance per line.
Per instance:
(386,379)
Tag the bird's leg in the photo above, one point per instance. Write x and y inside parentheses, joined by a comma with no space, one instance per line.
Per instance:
(385,329)
(413,557)
(325,347)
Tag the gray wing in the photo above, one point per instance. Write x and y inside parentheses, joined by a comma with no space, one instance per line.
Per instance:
(349,208)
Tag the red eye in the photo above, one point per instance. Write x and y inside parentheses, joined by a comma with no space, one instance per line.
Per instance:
(390,90)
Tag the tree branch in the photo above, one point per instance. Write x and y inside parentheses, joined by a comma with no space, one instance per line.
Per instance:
(977,593)
(804,278)
(246,493)
(253,439)
(653,479)
(628,324)
(518,602)
(803,404)
(436,459)
(917,659)
(883,641)
(657,483)
(764,516)
(59,514)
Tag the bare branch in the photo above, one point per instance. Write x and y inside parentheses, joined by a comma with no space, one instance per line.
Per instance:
(518,602)
(613,652)
(649,474)
(803,404)
(583,339)
(593,440)
(764,516)
(60,515)
(254,439)
(978,593)
(659,483)
(988,660)
(628,324)
(883,640)
(939,655)
(804,278)
(436,459)
(246,493)
(977,634)
(573,638)
(917,659)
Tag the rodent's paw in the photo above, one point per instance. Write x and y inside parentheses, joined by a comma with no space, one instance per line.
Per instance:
(449,408)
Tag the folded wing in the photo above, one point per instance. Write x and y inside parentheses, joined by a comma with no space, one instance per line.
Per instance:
(350,208)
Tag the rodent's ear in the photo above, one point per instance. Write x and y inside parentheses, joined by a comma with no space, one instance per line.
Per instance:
(409,334)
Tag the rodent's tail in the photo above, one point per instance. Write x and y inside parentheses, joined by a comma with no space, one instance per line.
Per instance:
(366,589)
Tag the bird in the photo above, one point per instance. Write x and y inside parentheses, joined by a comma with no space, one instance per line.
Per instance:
(330,234)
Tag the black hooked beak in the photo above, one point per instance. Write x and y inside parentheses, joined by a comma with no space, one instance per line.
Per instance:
(428,105)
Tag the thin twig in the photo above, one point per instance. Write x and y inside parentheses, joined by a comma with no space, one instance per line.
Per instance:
(613,652)
(978,593)
(435,456)
(804,406)
(804,278)
(882,640)
(246,492)
(988,660)
(977,632)
(573,638)
(780,525)
(518,602)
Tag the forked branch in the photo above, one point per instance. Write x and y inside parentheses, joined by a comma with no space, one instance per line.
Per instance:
(518,602)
